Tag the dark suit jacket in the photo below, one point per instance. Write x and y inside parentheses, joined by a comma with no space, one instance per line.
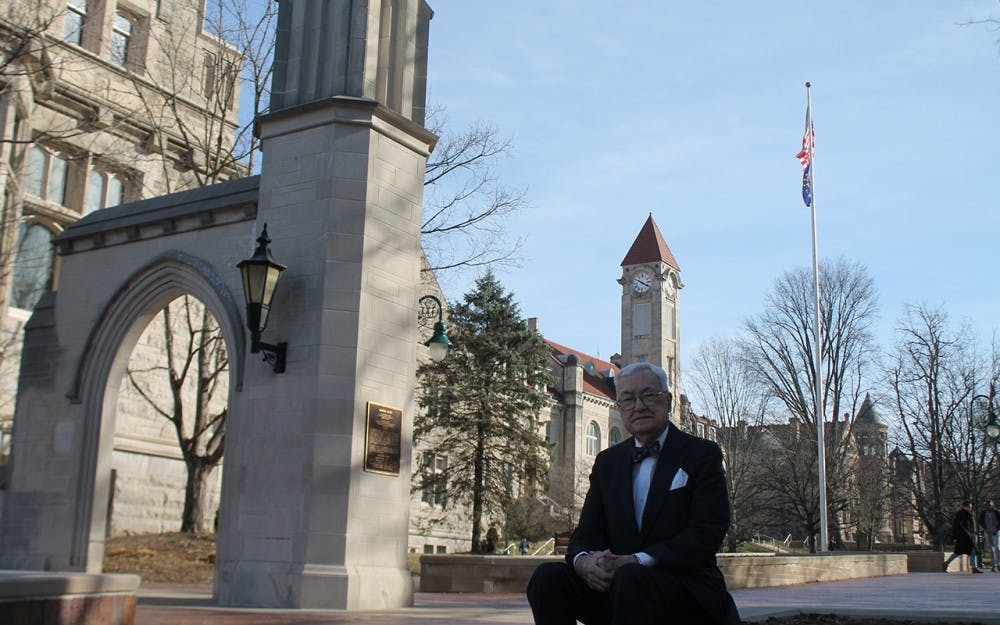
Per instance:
(681,528)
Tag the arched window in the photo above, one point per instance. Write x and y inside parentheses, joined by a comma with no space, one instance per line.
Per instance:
(593,438)
(615,436)
(32,266)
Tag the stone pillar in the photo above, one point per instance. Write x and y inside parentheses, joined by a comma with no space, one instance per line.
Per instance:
(304,525)
(374,49)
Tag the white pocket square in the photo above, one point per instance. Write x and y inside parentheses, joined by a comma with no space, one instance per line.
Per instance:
(680,480)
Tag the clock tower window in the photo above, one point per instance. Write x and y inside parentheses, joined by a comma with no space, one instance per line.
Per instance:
(641,319)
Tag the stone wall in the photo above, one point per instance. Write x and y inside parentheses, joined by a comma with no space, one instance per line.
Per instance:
(505,574)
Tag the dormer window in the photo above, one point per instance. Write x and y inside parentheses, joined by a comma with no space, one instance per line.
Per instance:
(121,34)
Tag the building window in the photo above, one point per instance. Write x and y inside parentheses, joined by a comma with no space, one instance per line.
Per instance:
(219,79)
(671,321)
(428,548)
(76,13)
(593,438)
(103,190)
(32,266)
(640,319)
(121,33)
(45,175)
(614,436)
(441,549)
(436,482)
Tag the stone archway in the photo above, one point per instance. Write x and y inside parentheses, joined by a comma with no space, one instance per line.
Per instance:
(305,523)
(109,345)
(117,269)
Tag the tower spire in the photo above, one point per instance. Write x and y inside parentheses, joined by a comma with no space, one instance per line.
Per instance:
(650,247)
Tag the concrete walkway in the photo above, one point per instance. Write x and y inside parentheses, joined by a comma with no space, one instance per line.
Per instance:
(918,596)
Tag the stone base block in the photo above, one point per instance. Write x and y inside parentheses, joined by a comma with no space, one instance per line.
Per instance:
(269,585)
(931,562)
(67,598)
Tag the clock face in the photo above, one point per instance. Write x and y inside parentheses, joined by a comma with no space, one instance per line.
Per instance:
(641,282)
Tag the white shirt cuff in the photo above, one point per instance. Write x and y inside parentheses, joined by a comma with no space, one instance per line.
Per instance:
(645,559)
(577,556)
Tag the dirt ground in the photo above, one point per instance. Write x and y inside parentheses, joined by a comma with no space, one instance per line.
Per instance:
(174,558)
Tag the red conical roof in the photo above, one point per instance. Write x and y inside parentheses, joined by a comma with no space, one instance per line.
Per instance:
(649,247)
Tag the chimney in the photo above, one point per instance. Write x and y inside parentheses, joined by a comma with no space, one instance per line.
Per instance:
(533,324)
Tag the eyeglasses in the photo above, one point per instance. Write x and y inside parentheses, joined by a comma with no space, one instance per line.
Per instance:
(628,403)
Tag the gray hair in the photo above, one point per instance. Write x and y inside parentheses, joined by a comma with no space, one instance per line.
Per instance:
(636,367)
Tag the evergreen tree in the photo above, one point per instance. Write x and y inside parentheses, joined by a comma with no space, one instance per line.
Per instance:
(480,429)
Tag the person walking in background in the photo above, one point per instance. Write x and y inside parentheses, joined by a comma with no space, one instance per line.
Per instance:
(989,520)
(524,546)
(965,537)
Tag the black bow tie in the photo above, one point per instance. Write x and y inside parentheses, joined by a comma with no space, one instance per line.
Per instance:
(648,451)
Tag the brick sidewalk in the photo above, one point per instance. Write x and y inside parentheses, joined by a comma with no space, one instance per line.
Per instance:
(917,596)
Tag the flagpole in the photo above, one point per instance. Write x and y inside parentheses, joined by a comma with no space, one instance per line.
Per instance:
(824,539)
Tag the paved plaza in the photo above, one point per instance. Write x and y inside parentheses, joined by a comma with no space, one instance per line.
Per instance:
(918,596)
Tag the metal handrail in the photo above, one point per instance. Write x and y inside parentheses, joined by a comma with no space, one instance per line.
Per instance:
(544,545)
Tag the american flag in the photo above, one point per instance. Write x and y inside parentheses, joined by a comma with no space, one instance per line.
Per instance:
(806,155)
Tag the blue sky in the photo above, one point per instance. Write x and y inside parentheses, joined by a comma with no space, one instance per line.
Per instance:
(694,111)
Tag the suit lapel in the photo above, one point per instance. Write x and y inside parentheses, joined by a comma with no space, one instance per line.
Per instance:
(671,456)
(622,480)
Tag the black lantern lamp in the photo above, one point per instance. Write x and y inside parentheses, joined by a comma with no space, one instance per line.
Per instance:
(439,341)
(260,276)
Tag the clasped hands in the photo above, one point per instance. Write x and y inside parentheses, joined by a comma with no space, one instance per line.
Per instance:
(597,568)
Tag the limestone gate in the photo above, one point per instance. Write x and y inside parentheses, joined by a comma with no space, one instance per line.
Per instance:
(302,523)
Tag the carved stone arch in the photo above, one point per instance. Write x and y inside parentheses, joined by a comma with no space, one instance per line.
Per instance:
(105,358)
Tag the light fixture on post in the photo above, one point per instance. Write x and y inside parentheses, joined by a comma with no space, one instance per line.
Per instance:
(260,275)
(992,426)
(431,307)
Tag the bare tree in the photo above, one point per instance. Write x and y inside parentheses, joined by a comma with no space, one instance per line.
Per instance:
(870,504)
(933,374)
(780,348)
(734,396)
(187,386)
(190,100)
(465,204)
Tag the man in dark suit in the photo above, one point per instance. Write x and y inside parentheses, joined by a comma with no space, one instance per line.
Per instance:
(657,510)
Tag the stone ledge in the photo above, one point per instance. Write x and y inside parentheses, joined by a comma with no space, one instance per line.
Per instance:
(67,598)
(502,574)
(37,584)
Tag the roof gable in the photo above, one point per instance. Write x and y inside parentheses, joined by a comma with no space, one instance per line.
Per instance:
(595,380)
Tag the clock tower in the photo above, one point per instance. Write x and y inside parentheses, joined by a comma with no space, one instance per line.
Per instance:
(650,305)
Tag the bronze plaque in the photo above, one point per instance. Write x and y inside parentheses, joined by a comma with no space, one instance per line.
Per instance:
(383,439)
